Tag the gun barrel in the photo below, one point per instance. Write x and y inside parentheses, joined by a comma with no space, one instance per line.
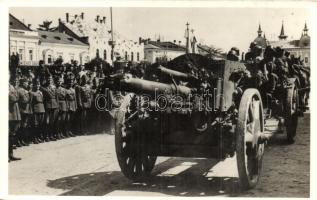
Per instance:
(140,86)
(177,74)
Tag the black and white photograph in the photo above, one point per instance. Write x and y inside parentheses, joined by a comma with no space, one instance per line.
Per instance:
(166,101)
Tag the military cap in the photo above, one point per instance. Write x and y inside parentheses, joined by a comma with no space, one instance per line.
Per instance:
(23,80)
(36,81)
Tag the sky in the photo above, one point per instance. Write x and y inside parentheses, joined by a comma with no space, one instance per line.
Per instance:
(220,27)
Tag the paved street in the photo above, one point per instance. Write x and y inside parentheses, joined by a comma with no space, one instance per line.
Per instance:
(87,165)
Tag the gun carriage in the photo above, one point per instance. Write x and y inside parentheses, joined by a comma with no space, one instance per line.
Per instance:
(193,106)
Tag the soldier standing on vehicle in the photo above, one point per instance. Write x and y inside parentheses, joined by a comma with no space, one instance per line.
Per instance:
(14,116)
(71,105)
(38,112)
(51,107)
(84,103)
(61,120)
(26,111)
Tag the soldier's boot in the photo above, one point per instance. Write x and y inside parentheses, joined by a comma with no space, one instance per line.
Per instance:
(58,136)
(22,137)
(39,135)
(72,134)
(11,156)
(46,133)
(33,135)
(51,135)
(17,142)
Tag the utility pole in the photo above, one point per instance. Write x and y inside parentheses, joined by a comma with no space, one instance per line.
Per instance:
(187,38)
(112,41)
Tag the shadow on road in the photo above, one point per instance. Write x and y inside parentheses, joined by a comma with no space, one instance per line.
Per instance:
(193,181)
(280,138)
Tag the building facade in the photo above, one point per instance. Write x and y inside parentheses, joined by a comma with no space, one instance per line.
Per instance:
(298,48)
(33,46)
(23,42)
(155,51)
(55,45)
(97,34)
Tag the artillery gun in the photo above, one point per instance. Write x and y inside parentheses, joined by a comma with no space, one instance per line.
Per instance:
(191,107)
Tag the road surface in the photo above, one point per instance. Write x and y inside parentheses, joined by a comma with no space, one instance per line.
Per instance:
(87,165)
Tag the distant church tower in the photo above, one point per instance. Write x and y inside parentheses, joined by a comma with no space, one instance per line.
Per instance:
(282,35)
(259,31)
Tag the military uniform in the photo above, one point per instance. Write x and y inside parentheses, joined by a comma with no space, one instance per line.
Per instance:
(37,103)
(26,114)
(14,119)
(61,121)
(71,104)
(84,103)
(51,106)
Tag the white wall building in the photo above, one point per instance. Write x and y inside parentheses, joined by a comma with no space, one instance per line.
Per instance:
(23,41)
(98,35)
(155,51)
(54,45)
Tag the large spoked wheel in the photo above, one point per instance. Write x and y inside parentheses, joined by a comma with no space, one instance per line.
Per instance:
(134,162)
(291,112)
(249,149)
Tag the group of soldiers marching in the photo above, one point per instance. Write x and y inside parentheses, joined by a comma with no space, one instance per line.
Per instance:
(50,105)
(271,68)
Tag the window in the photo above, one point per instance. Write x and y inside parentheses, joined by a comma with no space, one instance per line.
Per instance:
(57,38)
(138,56)
(97,53)
(49,59)
(31,55)
(306,59)
(21,54)
(60,55)
(131,56)
(71,57)
(126,55)
(105,54)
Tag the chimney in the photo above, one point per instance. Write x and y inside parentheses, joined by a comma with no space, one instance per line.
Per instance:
(179,43)
(104,19)
(140,40)
(100,21)
(82,15)
(29,26)
(67,17)
(76,16)
(59,20)
(174,41)
(97,19)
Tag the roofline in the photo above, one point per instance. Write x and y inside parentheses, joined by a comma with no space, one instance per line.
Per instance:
(19,21)
(78,37)
(63,44)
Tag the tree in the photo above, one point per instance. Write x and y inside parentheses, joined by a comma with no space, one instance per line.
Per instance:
(45,26)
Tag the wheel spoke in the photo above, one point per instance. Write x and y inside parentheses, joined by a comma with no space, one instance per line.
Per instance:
(256,114)
(248,137)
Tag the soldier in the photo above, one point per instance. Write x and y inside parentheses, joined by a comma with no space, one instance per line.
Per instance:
(93,112)
(26,111)
(14,116)
(71,104)
(61,95)
(38,112)
(42,72)
(84,103)
(51,108)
